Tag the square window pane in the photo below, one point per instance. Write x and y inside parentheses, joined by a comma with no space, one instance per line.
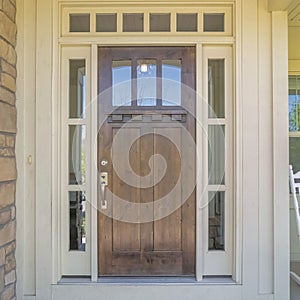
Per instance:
(160,22)
(216,221)
(216,154)
(77,213)
(294,151)
(133,22)
(79,22)
(106,23)
(121,82)
(187,22)
(216,88)
(77,88)
(171,82)
(146,82)
(213,22)
(77,154)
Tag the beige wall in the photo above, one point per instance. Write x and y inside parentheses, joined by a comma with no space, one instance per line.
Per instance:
(8,130)
(294,43)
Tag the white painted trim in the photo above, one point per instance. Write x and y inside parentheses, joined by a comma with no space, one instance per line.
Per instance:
(43,182)
(200,183)
(56,174)
(265,194)
(238,148)
(146,39)
(280,156)
(164,291)
(219,262)
(73,262)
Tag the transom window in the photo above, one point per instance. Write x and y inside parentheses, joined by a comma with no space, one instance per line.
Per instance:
(195,20)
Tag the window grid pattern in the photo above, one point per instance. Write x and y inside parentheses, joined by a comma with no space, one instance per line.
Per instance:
(188,21)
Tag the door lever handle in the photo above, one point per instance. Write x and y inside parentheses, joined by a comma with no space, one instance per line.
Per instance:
(103,185)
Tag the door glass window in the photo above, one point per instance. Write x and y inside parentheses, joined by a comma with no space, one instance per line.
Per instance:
(214,22)
(77,154)
(146,82)
(79,22)
(77,88)
(216,88)
(187,22)
(171,82)
(133,22)
(106,22)
(121,82)
(216,154)
(77,221)
(160,22)
(216,221)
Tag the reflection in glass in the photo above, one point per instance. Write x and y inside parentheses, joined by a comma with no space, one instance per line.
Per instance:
(294,103)
(77,154)
(106,23)
(79,22)
(216,154)
(77,207)
(133,22)
(160,22)
(77,88)
(121,82)
(146,82)
(187,22)
(216,88)
(294,151)
(216,221)
(213,22)
(171,82)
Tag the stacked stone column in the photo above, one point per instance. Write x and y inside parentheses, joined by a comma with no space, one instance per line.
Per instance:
(8,130)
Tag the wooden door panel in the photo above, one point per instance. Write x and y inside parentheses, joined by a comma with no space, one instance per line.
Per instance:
(122,241)
(158,162)
(167,231)
(149,264)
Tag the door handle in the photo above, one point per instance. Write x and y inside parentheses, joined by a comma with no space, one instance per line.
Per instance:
(103,185)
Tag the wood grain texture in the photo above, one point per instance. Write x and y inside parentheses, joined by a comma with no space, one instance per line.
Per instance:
(166,246)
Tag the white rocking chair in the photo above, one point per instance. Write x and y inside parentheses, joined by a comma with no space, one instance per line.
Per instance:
(295,189)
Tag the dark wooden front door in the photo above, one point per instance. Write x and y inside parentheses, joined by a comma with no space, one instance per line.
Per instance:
(146,219)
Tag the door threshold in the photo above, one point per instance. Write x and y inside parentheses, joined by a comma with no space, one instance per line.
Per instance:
(176,280)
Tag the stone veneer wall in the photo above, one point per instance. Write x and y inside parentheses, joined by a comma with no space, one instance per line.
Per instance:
(8,173)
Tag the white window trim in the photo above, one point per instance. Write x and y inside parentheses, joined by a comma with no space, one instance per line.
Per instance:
(220,262)
(226,8)
(73,262)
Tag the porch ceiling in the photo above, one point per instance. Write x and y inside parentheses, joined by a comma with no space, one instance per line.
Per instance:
(294,11)
(280,4)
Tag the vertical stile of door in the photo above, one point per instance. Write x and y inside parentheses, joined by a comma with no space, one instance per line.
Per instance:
(93,171)
(199,158)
